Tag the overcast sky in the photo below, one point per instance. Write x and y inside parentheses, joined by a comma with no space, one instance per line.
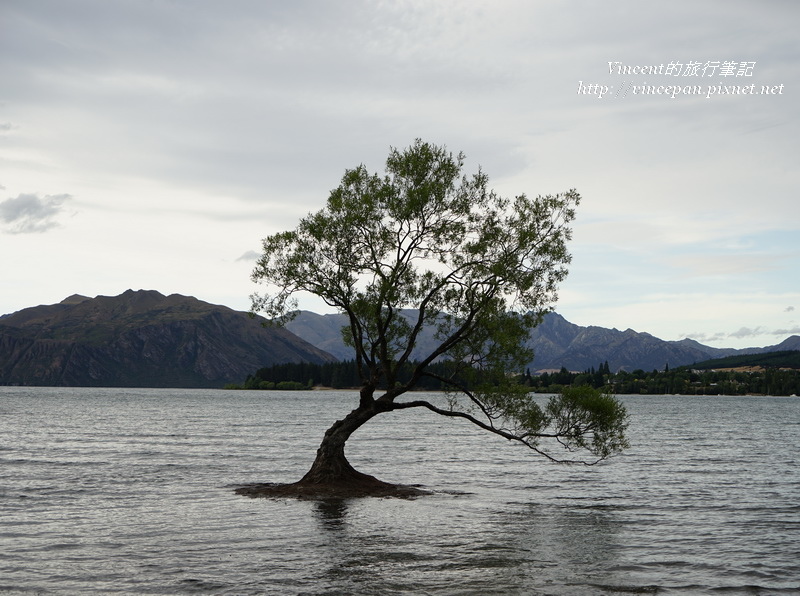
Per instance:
(152,144)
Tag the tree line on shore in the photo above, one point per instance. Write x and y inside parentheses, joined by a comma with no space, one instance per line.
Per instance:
(684,380)
(335,375)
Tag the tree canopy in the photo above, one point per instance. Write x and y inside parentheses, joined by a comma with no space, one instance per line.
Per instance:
(427,239)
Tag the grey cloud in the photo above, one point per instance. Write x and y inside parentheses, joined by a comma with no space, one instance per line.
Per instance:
(250,255)
(705,338)
(748,332)
(789,309)
(743,332)
(28,213)
(789,331)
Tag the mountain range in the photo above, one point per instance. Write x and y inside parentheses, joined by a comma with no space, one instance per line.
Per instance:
(146,339)
(141,339)
(556,343)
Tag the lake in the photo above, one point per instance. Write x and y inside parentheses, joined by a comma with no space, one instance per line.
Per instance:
(131,491)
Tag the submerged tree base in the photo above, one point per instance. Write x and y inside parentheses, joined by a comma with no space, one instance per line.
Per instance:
(338,490)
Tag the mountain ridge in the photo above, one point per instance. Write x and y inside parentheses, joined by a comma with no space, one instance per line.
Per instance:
(141,339)
(558,343)
(144,338)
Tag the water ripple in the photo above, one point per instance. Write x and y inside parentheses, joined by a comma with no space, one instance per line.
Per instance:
(130,491)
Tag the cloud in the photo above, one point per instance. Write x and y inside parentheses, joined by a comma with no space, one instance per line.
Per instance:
(705,338)
(741,333)
(748,332)
(28,213)
(250,255)
(789,331)
(789,309)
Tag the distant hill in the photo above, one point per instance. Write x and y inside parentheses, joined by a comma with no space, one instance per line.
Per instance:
(556,343)
(779,359)
(324,331)
(145,339)
(141,339)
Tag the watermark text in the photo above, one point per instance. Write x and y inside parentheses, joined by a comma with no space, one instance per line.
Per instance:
(675,79)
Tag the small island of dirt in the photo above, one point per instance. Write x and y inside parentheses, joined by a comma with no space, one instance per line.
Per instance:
(315,491)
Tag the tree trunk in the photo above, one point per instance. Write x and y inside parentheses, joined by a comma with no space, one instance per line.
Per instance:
(331,476)
(331,468)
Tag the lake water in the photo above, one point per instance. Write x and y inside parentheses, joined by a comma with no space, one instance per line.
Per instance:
(131,491)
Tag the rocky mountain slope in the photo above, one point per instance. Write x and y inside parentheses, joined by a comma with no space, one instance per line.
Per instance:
(557,342)
(145,339)
(141,339)
(324,331)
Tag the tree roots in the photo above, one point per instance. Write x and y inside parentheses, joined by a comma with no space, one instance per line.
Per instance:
(332,490)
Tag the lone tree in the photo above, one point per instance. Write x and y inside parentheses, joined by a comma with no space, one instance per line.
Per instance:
(425,246)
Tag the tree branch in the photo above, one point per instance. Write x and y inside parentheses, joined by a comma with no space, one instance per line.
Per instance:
(505,434)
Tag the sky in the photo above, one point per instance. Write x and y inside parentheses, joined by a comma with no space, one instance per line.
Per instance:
(153,144)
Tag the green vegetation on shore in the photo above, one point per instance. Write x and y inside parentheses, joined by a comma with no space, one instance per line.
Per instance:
(683,380)
(336,375)
(773,373)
